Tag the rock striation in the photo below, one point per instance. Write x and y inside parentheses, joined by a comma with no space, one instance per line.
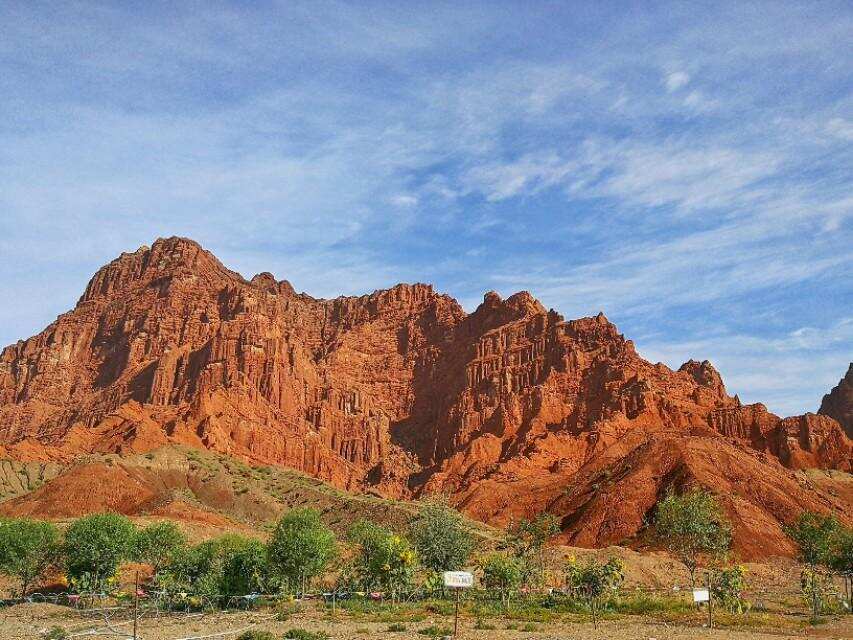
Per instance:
(511,409)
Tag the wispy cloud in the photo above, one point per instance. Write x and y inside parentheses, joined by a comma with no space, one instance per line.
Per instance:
(676,80)
(664,170)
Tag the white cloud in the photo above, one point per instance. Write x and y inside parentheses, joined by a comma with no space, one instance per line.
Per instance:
(790,374)
(841,128)
(676,80)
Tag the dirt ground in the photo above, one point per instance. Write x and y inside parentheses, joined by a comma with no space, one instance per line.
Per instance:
(33,620)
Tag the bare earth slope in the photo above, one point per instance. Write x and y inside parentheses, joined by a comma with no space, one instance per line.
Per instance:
(511,409)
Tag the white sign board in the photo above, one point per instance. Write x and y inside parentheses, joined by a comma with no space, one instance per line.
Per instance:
(701,595)
(458,579)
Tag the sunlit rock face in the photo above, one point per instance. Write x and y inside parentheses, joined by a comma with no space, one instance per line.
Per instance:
(510,410)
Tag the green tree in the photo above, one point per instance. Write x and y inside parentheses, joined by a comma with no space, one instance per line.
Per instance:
(94,547)
(842,562)
(595,583)
(28,549)
(816,536)
(692,526)
(441,537)
(301,547)
(244,567)
(527,538)
(230,565)
(824,544)
(158,543)
(501,573)
(383,559)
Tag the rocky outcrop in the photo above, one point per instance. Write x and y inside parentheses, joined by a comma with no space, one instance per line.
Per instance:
(509,409)
(838,403)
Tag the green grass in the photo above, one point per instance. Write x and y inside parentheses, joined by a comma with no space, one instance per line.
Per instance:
(304,634)
(645,604)
(370,610)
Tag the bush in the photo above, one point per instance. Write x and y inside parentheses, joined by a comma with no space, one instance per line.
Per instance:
(594,583)
(95,545)
(55,633)
(502,574)
(727,589)
(301,546)
(256,634)
(815,587)
(158,543)
(231,565)
(383,559)
(526,539)
(442,539)
(691,526)
(434,631)
(28,549)
(304,634)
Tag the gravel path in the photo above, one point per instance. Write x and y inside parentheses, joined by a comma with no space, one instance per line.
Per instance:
(30,620)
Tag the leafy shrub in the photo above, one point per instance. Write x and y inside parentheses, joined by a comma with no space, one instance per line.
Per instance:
(501,573)
(95,545)
(55,633)
(383,559)
(434,631)
(304,634)
(815,587)
(256,634)
(526,539)
(231,565)
(727,589)
(28,549)
(481,624)
(593,582)
(301,546)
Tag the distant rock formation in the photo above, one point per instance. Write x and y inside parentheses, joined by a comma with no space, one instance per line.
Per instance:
(838,403)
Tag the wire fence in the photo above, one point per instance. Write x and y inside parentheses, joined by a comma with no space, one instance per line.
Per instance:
(119,615)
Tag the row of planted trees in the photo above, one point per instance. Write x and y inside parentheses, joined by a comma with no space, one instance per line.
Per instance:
(371,558)
(300,550)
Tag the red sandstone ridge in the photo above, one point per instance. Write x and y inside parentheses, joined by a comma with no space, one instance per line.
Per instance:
(838,403)
(511,409)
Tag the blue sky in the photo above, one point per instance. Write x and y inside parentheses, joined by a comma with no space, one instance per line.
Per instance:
(684,167)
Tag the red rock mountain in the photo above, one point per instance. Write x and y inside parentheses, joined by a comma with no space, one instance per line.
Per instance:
(838,403)
(512,410)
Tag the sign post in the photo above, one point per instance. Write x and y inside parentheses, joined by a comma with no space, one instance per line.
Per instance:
(457,580)
(710,601)
(704,595)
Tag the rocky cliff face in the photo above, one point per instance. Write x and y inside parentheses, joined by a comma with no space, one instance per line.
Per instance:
(510,409)
(838,403)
